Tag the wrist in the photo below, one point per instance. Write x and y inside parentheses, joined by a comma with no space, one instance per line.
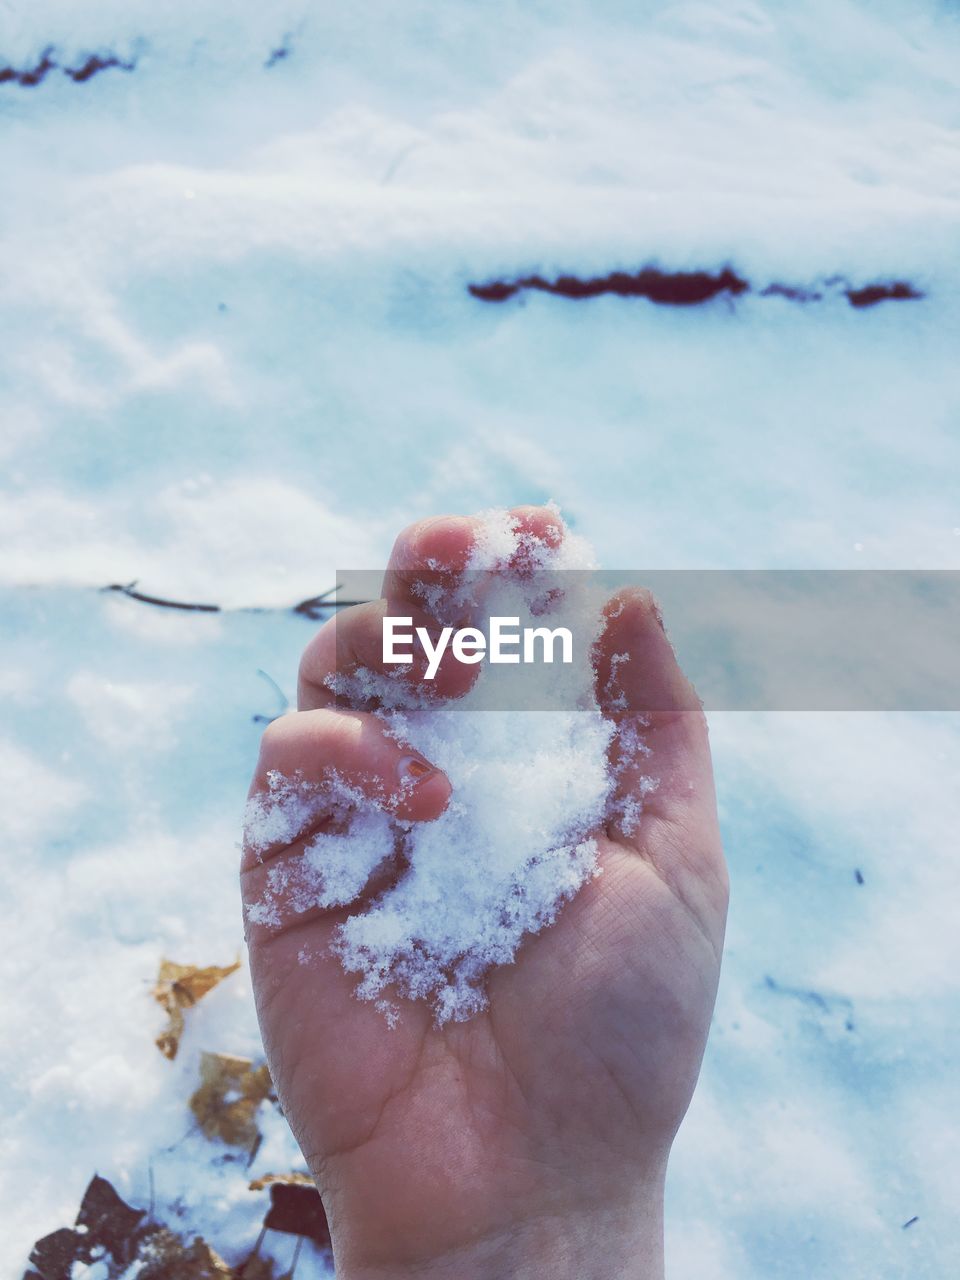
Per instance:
(608,1242)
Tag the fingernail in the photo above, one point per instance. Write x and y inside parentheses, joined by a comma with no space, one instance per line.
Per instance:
(414,769)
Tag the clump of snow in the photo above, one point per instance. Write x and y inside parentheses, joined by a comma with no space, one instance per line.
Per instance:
(530,789)
(337,863)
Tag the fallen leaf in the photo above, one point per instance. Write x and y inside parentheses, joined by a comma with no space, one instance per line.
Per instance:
(53,1256)
(289,1179)
(295,1206)
(105,1224)
(230,1093)
(179,987)
(256,1268)
(163,1255)
(106,1221)
(113,1234)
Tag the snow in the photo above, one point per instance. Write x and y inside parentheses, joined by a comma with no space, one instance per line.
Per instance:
(239,352)
(516,841)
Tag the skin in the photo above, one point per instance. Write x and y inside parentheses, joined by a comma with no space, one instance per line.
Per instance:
(533,1139)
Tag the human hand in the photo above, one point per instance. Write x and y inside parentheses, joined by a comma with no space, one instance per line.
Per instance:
(531,1140)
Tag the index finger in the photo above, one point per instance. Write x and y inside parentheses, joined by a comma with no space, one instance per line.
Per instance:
(429,552)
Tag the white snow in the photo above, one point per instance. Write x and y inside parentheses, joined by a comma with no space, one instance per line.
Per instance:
(530,790)
(239,352)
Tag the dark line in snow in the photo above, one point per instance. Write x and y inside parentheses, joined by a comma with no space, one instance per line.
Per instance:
(871,294)
(282,700)
(676,288)
(814,999)
(312,608)
(279,54)
(30,77)
(690,288)
(129,590)
(793,292)
(94,65)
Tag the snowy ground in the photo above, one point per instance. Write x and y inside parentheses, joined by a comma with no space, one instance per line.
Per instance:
(239,351)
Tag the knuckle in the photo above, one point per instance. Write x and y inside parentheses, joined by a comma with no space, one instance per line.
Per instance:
(408,540)
(274,735)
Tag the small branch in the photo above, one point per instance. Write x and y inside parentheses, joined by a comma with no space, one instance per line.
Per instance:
(282,698)
(129,591)
(313,608)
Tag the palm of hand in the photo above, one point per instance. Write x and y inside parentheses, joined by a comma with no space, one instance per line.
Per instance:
(577,1074)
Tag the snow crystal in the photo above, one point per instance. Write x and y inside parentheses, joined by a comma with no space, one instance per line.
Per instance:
(530,789)
(282,813)
(336,862)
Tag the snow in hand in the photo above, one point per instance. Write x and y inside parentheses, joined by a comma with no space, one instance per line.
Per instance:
(529,787)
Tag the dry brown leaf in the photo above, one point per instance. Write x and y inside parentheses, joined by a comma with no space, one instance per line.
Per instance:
(115,1235)
(256,1268)
(225,1105)
(295,1206)
(105,1224)
(179,987)
(288,1179)
(107,1220)
(163,1255)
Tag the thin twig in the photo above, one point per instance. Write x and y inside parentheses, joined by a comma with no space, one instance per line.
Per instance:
(311,608)
(281,696)
(129,590)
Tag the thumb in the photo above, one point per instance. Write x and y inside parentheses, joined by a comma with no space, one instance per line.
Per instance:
(353,745)
(661,729)
(314,772)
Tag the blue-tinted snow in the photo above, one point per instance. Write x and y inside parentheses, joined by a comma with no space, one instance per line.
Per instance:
(238,351)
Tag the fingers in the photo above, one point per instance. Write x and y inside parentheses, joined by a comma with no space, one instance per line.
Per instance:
(538,524)
(327,794)
(315,746)
(353,641)
(662,731)
(427,560)
(535,527)
(664,806)
(439,548)
(637,669)
(426,553)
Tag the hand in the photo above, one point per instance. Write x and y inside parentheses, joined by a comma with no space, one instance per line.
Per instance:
(531,1140)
